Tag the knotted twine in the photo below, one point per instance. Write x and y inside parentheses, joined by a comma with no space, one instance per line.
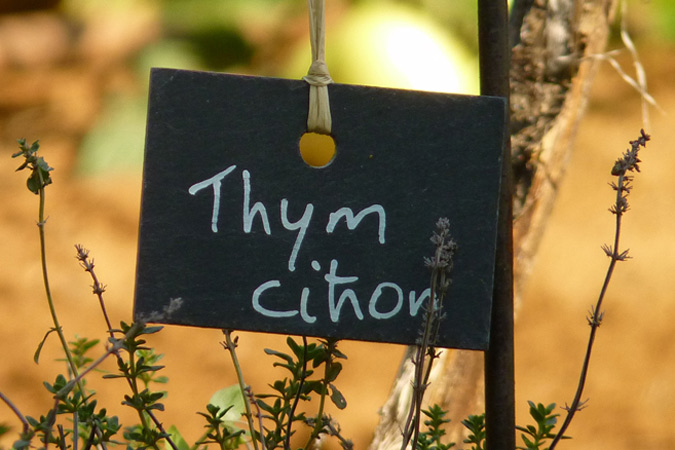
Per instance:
(319,118)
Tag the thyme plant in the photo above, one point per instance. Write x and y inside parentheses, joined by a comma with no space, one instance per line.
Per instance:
(622,169)
(75,421)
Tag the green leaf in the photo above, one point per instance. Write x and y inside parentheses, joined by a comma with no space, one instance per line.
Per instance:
(33,184)
(333,371)
(320,358)
(36,356)
(22,144)
(337,398)
(42,164)
(157,406)
(112,375)
(151,330)
(551,420)
(537,414)
(265,407)
(297,349)
(528,442)
(313,385)
(281,355)
(338,354)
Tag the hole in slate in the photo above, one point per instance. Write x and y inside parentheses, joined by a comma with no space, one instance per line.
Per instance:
(317,150)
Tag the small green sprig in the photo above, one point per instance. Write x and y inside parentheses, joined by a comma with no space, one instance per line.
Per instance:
(431,438)
(327,353)
(534,437)
(42,428)
(97,427)
(218,430)
(140,368)
(85,423)
(80,348)
(38,179)
(39,169)
(476,426)
(280,408)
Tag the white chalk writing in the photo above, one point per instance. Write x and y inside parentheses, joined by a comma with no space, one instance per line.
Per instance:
(386,300)
(214,181)
(354,221)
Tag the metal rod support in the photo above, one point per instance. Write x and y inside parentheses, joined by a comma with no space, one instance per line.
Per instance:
(495,58)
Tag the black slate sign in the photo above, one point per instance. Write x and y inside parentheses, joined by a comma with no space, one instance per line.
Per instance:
(238,232)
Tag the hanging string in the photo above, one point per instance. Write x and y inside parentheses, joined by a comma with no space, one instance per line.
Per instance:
(319,118)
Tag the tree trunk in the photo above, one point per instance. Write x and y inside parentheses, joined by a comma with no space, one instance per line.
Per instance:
(550,82)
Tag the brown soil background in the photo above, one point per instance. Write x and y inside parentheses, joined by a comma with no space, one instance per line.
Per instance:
(632,379)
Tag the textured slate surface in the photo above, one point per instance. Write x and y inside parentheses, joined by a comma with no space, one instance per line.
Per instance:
(403,160)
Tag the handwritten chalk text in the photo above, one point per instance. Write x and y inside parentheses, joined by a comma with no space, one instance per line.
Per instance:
(258,209)
(385,301)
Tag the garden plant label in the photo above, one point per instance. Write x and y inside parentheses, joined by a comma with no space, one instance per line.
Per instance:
(237,231)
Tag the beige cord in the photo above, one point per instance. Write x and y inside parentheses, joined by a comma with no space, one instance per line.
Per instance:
(318,118)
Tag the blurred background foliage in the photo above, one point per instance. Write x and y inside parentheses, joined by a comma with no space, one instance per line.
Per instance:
(412,44)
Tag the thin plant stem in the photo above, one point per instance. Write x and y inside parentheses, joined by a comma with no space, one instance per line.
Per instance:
(48,432)
(37,182)
(296,400)
(412,421)
(16,412)
(160,427)
(135,391)
(98,289)
(90,439)
(258,415)
(48,292)
(113,349)
(318,424)
(142,413)
(628,163)
(230,345)
(133,385)
(441,265)
(595,324)
(62,434)
(345,443)
(76,426)
(52,309)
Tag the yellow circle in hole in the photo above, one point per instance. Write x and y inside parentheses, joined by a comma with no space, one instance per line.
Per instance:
(317,150)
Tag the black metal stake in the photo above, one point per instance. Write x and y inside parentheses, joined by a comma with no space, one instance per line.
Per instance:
(493,36)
